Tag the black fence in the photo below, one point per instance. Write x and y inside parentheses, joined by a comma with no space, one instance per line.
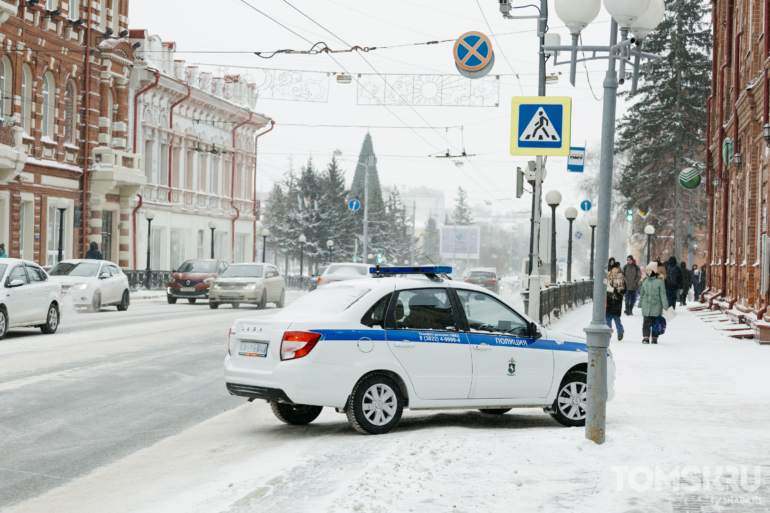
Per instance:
(557,299)
(297,282)
(157,280)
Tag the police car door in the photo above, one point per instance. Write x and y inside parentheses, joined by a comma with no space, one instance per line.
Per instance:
(423,333)
(507,362)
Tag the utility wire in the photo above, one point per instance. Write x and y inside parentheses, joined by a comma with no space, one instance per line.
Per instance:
(500,47)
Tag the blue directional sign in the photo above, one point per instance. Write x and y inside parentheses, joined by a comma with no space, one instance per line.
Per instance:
(540,126)
(354,205)
(585,206)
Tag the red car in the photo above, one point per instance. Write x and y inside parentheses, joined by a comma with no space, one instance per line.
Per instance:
(192,280)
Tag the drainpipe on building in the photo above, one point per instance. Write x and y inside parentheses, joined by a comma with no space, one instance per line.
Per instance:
(709,190)
(736,81)
(171,140)
(256,139)
(86,128)
(232,189)
(133,217)
(136,123)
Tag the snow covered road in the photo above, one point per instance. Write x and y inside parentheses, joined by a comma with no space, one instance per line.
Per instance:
(686,411)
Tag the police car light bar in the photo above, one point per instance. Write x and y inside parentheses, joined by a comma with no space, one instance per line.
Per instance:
(433,269)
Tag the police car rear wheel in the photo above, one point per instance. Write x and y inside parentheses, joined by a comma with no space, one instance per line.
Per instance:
(376,405)
(496,411)
(295,414)
(570,404)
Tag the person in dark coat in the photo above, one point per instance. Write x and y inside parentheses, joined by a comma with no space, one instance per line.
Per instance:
(686,283)
(616,288)
(702,279)
(673,281)
(633,276)
(94,253)
(695,277)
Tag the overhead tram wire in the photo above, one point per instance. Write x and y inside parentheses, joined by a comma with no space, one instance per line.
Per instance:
(410,106)
(492,32)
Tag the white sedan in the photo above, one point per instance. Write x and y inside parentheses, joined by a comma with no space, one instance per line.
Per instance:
(370,348)
(92,284)
(28,297)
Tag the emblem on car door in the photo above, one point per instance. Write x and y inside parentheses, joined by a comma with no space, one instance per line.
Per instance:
(511,367)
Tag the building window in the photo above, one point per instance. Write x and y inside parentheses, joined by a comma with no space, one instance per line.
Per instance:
(155,247)
(216,183)
(177,253)
(177,167)
(22,220)
(103,17)
(50,5)
(69,113)
(49,98)
(189,170)
(54,221)
(148,162)
(116,16)
(26,99)
(163,164)
(6,89)
(74,9)
(241,244)
(202,175)
(200,244)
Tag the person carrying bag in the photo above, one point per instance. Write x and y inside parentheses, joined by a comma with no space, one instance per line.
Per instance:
(653,301)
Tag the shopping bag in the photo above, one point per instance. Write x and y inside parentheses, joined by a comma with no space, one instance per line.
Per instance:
(659,326)
(669,314)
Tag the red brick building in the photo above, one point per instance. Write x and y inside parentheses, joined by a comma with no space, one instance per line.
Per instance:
(737,183)
(64,109)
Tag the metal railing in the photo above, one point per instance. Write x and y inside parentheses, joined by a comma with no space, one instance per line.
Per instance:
(557,299)
(297,282)
(139,280)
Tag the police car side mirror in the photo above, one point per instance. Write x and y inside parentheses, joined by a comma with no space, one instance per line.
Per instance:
(534,332)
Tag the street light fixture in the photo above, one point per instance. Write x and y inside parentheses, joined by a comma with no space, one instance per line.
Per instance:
(592,222)
(212,227)
(330,245)
(649,230)
(571,214)
(738,160)
(265,233)
(302,240)
(61,206)
(553,198)
(149,215)
(766,133)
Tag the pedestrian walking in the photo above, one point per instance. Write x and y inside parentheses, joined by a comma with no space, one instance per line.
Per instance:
(686,283)
(695,277)
(616,288)
(652,300)
(3,254)
(673,281)
(94,253)
(610,263)
(702,280)
(633,276)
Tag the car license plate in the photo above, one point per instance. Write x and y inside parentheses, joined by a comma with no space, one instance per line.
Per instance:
(230,294)
(253,349)
(188,289)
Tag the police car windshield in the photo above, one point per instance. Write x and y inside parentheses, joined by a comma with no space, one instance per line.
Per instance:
(334,299)
(82,269)
(243,271)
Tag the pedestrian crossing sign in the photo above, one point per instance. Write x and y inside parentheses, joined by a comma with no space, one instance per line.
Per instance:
(540,125)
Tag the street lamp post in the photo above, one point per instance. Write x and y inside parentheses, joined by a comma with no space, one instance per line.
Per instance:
(61,206)
(553,198)
(592,221)
(265,233)
(212,227)
(302,241)
(571,214)
(649,230)
(330,245)
(640,17)
(149,215)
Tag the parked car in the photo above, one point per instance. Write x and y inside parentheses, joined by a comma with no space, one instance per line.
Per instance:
(192,280)
(92,284)
(256,284)
(314,279)
(333,273)
(484,277)
(28,297)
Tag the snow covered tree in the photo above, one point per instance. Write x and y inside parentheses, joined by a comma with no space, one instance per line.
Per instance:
(431,241)
(394,242)
(462,212)
(338,220)
(663,129)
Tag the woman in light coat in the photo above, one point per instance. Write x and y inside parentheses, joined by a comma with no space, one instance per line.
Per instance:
(652,300)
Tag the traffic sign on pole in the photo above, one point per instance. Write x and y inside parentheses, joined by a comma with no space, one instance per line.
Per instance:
(576,161)
(354,205)
(473,55)
(540,125)
(585,206)
(578,235)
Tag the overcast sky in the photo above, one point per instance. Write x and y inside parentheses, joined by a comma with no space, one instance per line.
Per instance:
(226,35)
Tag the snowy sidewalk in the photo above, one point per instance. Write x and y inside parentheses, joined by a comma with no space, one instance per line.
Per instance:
(690,414)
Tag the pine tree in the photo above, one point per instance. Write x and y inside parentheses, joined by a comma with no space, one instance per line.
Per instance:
(663,129)
(309,217)
(462,212)
(338,220)
(431,241)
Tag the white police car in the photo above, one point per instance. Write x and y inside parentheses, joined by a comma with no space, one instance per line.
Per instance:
(370,348)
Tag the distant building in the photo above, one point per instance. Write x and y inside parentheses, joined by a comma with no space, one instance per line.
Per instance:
(429,203)
(196,132)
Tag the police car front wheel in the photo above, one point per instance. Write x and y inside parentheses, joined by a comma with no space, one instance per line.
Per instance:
(376,405)
(295,414)
(570,406)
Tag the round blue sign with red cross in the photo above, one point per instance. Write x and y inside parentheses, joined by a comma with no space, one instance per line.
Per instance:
(473,51)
